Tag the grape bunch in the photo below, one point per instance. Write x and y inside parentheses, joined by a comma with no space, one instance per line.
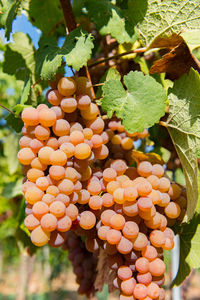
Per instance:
(78,183)
(84,263)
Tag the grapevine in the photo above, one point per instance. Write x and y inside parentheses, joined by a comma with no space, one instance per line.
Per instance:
(100,145)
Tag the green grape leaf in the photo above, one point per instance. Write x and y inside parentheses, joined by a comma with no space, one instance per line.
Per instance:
(10,147)
(26,91)
(76,50)
(48,58)
(11,16)
(184,128)
(192,38)
(134,104)
(14,64)
(111,73)
(19,56)
(47,16)
(14,122)
(110,19)
(189,249)
(5,205)
(8,228)
(12,189)
(155,18)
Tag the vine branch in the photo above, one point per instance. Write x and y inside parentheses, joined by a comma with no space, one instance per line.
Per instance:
(139,50)
(68,15)
(10,111)
(71,25)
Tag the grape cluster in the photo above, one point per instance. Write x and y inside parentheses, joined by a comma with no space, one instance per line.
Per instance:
(78,183)
(84,263)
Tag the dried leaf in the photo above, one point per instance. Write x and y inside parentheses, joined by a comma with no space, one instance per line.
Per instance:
(102,271)
(178,61)
(154,158)
(166,41)
(111,277)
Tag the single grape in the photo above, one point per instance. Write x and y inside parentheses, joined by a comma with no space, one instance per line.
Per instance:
(67,86)
(128,286)
(140,291)
(87,220)
(66,186)
(61,127)
(157,267)
(102,231)
(124,272)
(48,222)
(48,198)
(64,224)
(53,97)
(72,212)
(153,290)
(142,265)
(172,210)
(68,105)
(33,194)
(106,216)
(90,113)
(24,142)
(40,209)
(31,222)
(124,246)
(82,151)
(39,237)
(140,242)
(42,133)
(95,202)
(113,236)
(25,156)
(53,190)
(144,169)
(130,230)
(30,116)
(144,278)
(44,155)
(117,221)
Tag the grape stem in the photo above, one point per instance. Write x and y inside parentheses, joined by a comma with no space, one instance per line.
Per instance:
(100,61)
(10,111)
(71,25)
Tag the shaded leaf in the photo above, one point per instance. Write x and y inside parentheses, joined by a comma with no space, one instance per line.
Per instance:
(110,19)
(184,128)
(8,228)
(132,105)
(76,50)
(189,249)
(14,122)
(19,56)
(48,17)
(12,189)
(10,151)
